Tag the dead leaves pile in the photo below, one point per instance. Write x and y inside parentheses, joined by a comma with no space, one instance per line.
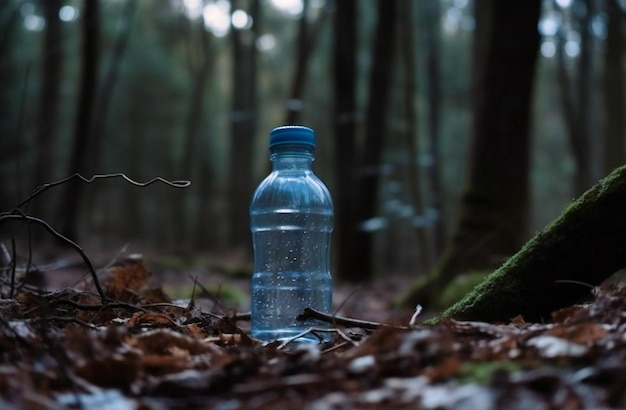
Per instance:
(69,350)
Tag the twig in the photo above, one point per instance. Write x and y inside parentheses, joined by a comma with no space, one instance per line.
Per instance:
(109,305)
(214,298)
(16,335)
(105,267)
(346,299)
(50,229)
(71,320)
(337,346)
(42,188)
(13,267)
(343,321)
(245,316)
(5,254)
(575,282)
(418,310)
(311,330)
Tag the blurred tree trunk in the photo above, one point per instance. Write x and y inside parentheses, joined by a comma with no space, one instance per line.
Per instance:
(84,114)
(194,165)
(108,83)
(9,141)
(344,124)
(575,101)
(101,119)
(613,84)
(243,129)
(433,90)
(375,131)
(308,34)
(408,50)
(51,66)
(491,224)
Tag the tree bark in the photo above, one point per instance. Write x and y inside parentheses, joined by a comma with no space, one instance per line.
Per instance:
(585,245)
(614,145)
(407,46)
(492,218)
(84,114)
(307,36)
(9,137)
(51,67)
(344,124)
(108,83)
(201,68)
(574,101)
(242,129)
(375,130)
(433,90)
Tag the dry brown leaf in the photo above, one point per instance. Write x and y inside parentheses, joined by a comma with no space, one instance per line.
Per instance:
(132,276)
(155,295)
(196,331)
(161,341)
(519,320)
(164,364)
(152,319)
(566,314)
(579,333)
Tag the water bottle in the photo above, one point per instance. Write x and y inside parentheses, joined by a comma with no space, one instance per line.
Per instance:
(291,219)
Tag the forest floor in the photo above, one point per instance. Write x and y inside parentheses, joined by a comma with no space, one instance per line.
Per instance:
(63,347)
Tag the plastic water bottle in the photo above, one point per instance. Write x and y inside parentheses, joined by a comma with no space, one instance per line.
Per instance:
(291,218)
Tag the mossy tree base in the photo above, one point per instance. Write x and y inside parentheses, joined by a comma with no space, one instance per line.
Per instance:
(586,244)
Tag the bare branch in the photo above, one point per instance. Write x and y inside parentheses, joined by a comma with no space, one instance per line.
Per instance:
(42,188)
(343,321)
(53,232)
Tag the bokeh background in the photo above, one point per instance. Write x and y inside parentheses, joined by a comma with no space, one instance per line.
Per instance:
(189,90)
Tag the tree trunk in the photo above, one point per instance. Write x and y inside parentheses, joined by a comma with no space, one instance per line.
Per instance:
(585,245)
(109,81)
(574,104)
(243,128)
(407,45)
(492,219)
(344,123)
(433,90)
(613,87)
(101,120)
(375,130)
(201,64)
(9,138)
(305,44)
(84,115)
(51,67)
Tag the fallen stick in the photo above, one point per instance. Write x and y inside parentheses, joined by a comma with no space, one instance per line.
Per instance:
(343,321)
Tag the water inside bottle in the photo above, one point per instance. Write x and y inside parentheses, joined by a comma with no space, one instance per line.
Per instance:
(291,272)
(280,298)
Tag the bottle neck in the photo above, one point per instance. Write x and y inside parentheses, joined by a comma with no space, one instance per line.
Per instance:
(291,157)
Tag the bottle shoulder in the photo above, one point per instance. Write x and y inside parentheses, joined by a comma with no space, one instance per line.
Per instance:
(292,190)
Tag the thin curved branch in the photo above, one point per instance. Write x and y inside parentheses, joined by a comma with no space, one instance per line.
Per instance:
(42,188)
(53,232)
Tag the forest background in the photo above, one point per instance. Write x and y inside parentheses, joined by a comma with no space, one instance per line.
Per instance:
(189,89)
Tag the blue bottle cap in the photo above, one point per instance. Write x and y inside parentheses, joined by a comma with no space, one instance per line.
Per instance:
(292,135)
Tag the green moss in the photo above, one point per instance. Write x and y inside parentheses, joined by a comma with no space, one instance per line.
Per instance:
(459,287)
(585,244)
(486,372)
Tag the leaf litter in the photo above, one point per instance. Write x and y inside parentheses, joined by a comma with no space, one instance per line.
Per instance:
(139,350)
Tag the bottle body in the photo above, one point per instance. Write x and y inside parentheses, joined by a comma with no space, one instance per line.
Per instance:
(291,219)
